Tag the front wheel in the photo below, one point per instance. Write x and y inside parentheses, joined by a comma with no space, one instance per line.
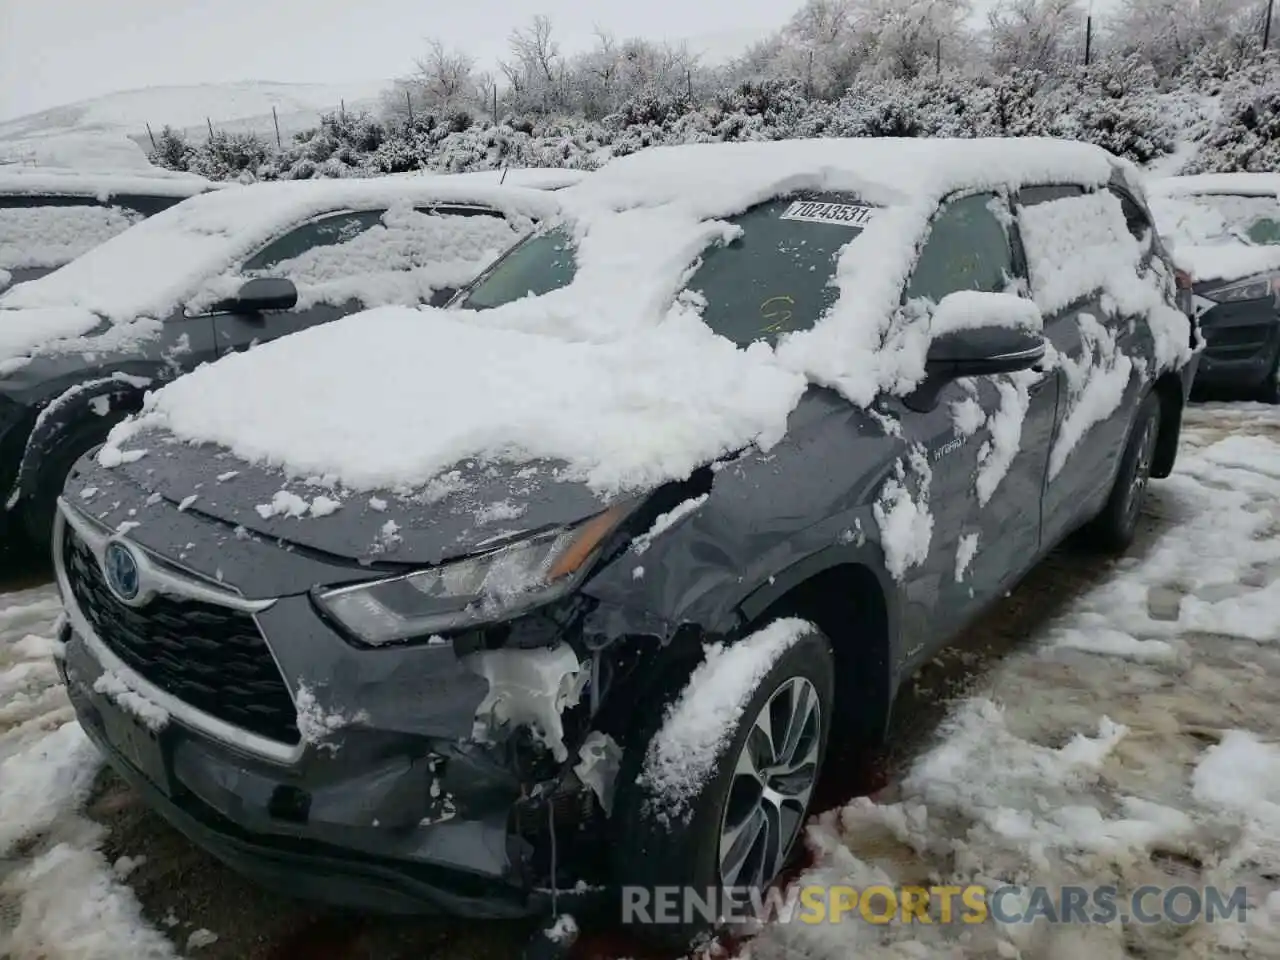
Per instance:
(715,791)
(37,510)
(1114,528)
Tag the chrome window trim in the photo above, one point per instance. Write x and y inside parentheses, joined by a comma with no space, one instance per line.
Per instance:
(96,539)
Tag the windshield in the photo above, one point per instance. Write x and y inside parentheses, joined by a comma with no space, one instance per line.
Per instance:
(1222,218)
(541,264)
(773,278)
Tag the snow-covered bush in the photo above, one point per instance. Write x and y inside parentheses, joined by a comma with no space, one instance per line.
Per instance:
(1168,77)
(1246,136)
(1113,103)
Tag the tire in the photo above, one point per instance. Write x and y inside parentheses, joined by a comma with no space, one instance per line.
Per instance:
(654,848)
(1112,531)
(38,510)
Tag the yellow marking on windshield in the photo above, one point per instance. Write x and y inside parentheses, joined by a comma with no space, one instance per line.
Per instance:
(775,310)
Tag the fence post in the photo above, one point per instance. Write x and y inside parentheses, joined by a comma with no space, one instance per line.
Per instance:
(937,59)
(210,123)
(342,110)
(1266,29)
(1088,39)
(408,102)
(495,104)
(276,121)
(151,136)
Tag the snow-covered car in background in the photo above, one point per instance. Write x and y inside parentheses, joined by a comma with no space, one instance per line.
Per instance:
(1224,229)
(576,582)
(216,274)
(49,217)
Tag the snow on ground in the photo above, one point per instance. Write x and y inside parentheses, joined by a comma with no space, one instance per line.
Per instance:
(59,898)
(1135,742)
(239,107)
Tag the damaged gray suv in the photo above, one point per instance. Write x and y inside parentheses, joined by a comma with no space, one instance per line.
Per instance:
(571,586)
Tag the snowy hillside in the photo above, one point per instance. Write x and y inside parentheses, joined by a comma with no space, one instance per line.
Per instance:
(111,130)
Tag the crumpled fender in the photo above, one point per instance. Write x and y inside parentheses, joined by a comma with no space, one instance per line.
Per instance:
(768,522)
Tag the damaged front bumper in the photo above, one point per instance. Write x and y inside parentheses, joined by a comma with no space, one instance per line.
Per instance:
(365,786)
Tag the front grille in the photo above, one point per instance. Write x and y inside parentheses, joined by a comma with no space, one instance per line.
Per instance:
(211,657)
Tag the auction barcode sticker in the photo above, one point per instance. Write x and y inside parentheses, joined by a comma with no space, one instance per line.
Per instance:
(812,211)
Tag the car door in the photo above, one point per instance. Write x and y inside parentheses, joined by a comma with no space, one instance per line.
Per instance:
(987,439)
(345,262)
(1094,347)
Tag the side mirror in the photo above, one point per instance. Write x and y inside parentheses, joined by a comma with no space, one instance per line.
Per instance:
(977,335)
(262,294)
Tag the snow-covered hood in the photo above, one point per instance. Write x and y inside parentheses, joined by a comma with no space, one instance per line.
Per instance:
(472,508)
(398,399)
(1225,262)
(1201,219)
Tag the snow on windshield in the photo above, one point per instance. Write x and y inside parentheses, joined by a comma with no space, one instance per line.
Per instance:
(1220,236)
(50,236)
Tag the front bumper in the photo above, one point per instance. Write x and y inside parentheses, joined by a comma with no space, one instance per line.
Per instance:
(374,816)
(1242,342)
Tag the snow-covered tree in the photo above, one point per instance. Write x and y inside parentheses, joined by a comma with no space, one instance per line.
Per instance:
(1042,35)
(1169,33)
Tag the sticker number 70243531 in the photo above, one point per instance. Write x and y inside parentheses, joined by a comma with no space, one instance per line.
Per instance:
(812,211)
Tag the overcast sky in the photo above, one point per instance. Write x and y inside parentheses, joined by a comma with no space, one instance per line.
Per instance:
(58,51)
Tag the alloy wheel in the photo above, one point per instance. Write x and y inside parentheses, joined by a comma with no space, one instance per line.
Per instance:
(773,779)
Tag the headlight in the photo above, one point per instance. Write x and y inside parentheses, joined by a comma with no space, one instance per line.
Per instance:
(481,589)
(1255,288)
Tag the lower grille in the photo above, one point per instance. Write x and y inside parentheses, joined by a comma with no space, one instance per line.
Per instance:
(211,657)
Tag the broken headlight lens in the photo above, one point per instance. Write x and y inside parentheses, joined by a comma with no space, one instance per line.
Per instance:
(482,589)
(1255,288)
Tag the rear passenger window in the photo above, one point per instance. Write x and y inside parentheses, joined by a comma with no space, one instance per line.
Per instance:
(1030,196)
(968,249)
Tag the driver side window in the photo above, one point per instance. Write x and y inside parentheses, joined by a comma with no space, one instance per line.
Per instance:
(968,249)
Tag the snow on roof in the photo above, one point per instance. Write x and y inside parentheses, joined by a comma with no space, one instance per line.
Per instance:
(615,373)
(82,183)
(153,267)
(1242,184)
(717,179)
(535,178)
